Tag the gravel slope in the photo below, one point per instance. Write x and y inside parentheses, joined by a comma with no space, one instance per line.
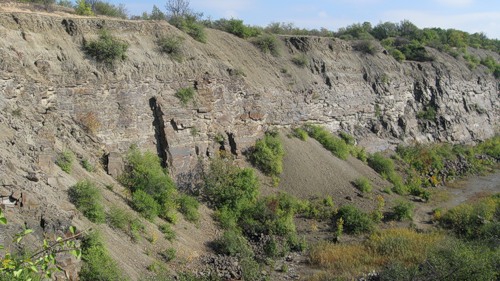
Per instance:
(309,170)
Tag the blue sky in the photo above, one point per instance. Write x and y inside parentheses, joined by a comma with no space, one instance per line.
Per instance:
(468,15)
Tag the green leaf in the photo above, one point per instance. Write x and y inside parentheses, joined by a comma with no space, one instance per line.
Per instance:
(3,220)
(27,231)
(34,269)
(58,239)
(17,273)
(72,229)
(76,253)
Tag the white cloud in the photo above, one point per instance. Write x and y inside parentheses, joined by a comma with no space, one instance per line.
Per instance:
(323,15)
(486,22)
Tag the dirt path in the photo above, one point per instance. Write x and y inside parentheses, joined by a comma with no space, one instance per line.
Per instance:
(458,193)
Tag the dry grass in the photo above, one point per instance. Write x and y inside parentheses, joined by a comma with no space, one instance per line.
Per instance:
(402,244)
(90,122)
(343,260)
(440,195)
(351,260)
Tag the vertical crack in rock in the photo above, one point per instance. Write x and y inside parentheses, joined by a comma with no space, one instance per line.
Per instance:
(162,146)
(232,143)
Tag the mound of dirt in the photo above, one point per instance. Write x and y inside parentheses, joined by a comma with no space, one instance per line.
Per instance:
(309,170)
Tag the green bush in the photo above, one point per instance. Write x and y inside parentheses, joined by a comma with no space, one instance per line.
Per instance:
(355,221)
(397,55)
(300,134)
(382,165)
(167,230)
(348,139)
(232,243)
(110,10)
(490,63)
(144,173)
(415,51)
(267,43)
(428,162)
(363,184)
(87,199)
(230,186)
(300,60)
(250,270)
(450,260)
(65,160)
(359,152)
(156,14)
(145,204)
(87,165)
(472,61)
(428,113)
(236,27)
(332,143)
(366,46)
(403,210)
(319,209)
(272,248)
(171,45)
(227,218)
(190,25)
(188,206)
(268,155)
(97,264)
(83,8)
(169,254)
(269,216)
(106,48)
(118,218)
(477,221)
(490,147)
(185,95)
(135,229)
(385,167)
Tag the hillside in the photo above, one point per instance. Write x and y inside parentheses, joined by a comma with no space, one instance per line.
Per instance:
(55,98)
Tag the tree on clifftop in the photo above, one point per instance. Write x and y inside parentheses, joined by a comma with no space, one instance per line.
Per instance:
(178,8)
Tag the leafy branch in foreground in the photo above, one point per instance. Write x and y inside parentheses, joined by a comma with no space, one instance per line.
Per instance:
(43,262)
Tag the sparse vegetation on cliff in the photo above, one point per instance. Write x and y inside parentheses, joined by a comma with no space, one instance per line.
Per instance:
(335,145)
(88,200)
(106,49)
(98,265)
(171,45)
(267,155)
(355,220)
(363,184)
(234,26)
(300,60)
(185,95)
(153,191)
(267,43)
(65,160)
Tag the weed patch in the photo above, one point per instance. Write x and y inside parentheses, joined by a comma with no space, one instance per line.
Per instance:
(87,199)
(65,160)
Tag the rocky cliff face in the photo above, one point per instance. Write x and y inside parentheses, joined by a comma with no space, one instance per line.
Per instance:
(240,91)
(53,97)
